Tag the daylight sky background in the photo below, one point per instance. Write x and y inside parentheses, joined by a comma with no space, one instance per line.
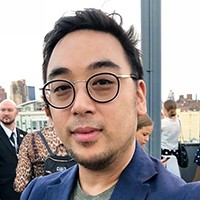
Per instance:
(25,23)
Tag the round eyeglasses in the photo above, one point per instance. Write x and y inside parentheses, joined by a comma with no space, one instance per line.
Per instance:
(102,88)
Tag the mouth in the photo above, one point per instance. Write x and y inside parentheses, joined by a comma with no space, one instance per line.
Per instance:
(6,118)
(86,134)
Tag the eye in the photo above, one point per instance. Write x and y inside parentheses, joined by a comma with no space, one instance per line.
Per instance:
(145,134)
(102,82)
(61,88)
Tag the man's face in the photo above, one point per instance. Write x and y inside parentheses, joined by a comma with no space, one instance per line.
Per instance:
(8,112)
(96,133)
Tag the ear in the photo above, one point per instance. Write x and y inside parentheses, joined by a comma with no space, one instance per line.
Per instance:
(47,111)
(141,98)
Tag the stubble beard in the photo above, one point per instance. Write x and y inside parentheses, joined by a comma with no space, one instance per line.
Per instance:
(101,162)
(7,121)
(96,162)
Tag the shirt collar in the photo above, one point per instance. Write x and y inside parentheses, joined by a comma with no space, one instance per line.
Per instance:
(7,130)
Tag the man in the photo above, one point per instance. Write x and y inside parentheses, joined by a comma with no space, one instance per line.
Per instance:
(94,91)
(9,145)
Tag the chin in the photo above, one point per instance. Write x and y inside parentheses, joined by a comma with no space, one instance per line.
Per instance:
(96,162)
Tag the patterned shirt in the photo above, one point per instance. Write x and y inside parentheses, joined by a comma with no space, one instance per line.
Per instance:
(32,154)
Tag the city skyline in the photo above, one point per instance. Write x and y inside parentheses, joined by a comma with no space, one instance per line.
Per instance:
(19,92)
(38,93)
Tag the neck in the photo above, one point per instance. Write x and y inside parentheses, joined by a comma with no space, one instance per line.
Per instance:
(9,126)
(96,182)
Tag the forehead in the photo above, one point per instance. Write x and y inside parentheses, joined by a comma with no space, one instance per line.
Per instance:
(147,128)
(77,50)
(7,105)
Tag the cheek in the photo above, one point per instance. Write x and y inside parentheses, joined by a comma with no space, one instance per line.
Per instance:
(121,110)
(139,137)
(122,118)
(59,121)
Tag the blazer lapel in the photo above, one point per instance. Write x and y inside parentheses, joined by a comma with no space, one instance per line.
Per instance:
(134,182)
(7,142)
(62,189)
(20,137)
(130,190)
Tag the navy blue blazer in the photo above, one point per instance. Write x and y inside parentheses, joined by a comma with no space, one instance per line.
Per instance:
(144,178)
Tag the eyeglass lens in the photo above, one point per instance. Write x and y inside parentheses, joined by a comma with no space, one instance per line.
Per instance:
(102,88)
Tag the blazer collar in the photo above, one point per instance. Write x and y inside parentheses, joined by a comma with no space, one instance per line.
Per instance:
(20,136)
(6,141)
(133,182)
(63,187)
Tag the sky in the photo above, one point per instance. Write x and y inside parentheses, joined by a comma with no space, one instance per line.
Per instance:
(25,23)
(23,27)
(180,47)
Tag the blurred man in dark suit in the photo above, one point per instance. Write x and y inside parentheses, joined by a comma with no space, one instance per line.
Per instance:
(10,140)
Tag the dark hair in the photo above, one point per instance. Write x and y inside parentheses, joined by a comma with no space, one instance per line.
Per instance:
(170,107)
(144,120)
(96,20)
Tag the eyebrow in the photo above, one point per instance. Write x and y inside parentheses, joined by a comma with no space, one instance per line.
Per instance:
(58,71)
(103,64)
(95,65)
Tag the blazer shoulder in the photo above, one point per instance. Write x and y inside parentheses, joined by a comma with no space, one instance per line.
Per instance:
(192,190)
(20,131)
(54,186)
(1,128)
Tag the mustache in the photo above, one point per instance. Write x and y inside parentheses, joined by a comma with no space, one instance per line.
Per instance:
(85,123)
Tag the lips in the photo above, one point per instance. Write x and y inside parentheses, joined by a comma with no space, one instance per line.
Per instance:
(86,134)
(6,119)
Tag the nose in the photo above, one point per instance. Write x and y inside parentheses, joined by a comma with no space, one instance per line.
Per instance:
(82,104)
(147,138)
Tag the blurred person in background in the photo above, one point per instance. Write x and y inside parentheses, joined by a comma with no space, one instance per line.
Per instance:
(144,129)
(10,140)
(170,129)
(33,153)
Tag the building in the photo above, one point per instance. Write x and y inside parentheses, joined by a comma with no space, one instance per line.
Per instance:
(189,114)
(190,123)
(31,93)
(3,94)
(20,92)
(31,116)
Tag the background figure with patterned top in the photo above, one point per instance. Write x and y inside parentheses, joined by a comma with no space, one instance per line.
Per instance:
(170,129)
(9,149)
(32,154)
